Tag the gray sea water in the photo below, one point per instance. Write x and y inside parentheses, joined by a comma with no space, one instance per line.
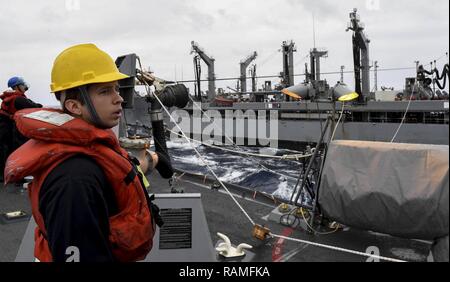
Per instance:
(278,179)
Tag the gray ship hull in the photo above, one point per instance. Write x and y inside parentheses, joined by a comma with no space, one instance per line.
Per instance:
(300,123)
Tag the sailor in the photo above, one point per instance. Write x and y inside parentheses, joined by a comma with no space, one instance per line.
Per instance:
(87,195)
(13,99)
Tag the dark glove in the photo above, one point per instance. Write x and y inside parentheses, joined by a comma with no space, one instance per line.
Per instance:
(156,215)
(164,165)
(154,209)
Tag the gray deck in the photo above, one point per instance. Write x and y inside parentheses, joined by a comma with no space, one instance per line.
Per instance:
(12,199)
(222,215)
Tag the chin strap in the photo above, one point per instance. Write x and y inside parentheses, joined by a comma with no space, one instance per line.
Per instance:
(94,118)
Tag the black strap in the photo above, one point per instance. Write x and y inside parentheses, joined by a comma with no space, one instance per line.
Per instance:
(130,176)
(87,101)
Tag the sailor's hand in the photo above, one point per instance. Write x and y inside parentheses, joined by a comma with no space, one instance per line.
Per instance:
(148,160)
(154,158)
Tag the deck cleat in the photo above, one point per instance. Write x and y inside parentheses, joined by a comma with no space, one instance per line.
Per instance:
(226,250)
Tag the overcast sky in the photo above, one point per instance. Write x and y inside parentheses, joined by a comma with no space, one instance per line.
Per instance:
(33,33)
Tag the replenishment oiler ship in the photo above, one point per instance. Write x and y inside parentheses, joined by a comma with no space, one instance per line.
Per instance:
(371,167)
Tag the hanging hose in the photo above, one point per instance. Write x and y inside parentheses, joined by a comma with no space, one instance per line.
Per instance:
(444,75)
(444,72)
(197,73)
(439,76)
(164,165)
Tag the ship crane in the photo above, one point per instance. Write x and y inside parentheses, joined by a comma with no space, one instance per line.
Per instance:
(360,56)
(209,61)
(244,64)
(288,48)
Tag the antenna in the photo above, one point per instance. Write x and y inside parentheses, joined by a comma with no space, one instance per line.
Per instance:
(314,29)
(376,75)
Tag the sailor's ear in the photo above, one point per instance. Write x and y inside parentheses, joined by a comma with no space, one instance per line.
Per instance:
(73,107)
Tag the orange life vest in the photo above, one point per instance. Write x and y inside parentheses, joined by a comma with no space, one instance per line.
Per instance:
(8,98)
(55,137)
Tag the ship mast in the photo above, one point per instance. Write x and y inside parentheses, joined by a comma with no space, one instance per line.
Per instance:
(360,56)
(315,56)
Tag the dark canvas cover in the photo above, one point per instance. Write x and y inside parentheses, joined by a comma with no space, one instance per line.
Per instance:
(391,188)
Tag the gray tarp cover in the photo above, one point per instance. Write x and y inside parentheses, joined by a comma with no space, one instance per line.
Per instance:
(391,188)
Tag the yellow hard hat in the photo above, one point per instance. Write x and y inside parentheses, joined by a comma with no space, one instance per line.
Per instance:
(81,65)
